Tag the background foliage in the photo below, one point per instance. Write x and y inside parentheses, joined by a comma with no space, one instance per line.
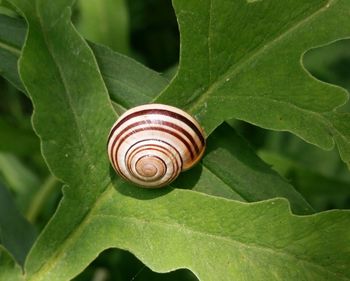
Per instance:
(148,32)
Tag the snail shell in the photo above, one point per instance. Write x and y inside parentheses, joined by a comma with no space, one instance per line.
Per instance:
(150,145)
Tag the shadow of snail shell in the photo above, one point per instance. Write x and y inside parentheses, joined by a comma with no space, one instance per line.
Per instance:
(150,145)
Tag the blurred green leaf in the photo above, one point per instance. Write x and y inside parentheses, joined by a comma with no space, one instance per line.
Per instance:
(105,22)
(322,192)
(9,269)
(16,234)
(249,66)
(34,196)
(326,163)
(330,63)
(154,33)
(12,32)
(321,177)
(21,180)
(21,141)
(43,202)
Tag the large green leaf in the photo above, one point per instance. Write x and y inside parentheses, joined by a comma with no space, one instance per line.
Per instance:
(166,228)
(130,84)
(244,58)
(74,136)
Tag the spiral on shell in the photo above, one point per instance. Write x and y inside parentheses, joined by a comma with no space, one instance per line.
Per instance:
(150,145)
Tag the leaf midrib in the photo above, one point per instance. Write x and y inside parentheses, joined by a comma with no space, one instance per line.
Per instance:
(240,65)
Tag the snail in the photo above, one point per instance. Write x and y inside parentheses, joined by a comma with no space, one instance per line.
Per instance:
(149,145)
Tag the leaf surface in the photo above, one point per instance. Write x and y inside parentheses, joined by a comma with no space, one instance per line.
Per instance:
(244,58)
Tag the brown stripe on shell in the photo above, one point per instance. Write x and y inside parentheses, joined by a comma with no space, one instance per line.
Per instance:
(157,140)
(121,140)
(160,112)
(165,123)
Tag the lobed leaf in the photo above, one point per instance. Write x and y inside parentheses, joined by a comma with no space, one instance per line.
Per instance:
(244,57)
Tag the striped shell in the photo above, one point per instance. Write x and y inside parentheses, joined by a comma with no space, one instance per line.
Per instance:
(150,145)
